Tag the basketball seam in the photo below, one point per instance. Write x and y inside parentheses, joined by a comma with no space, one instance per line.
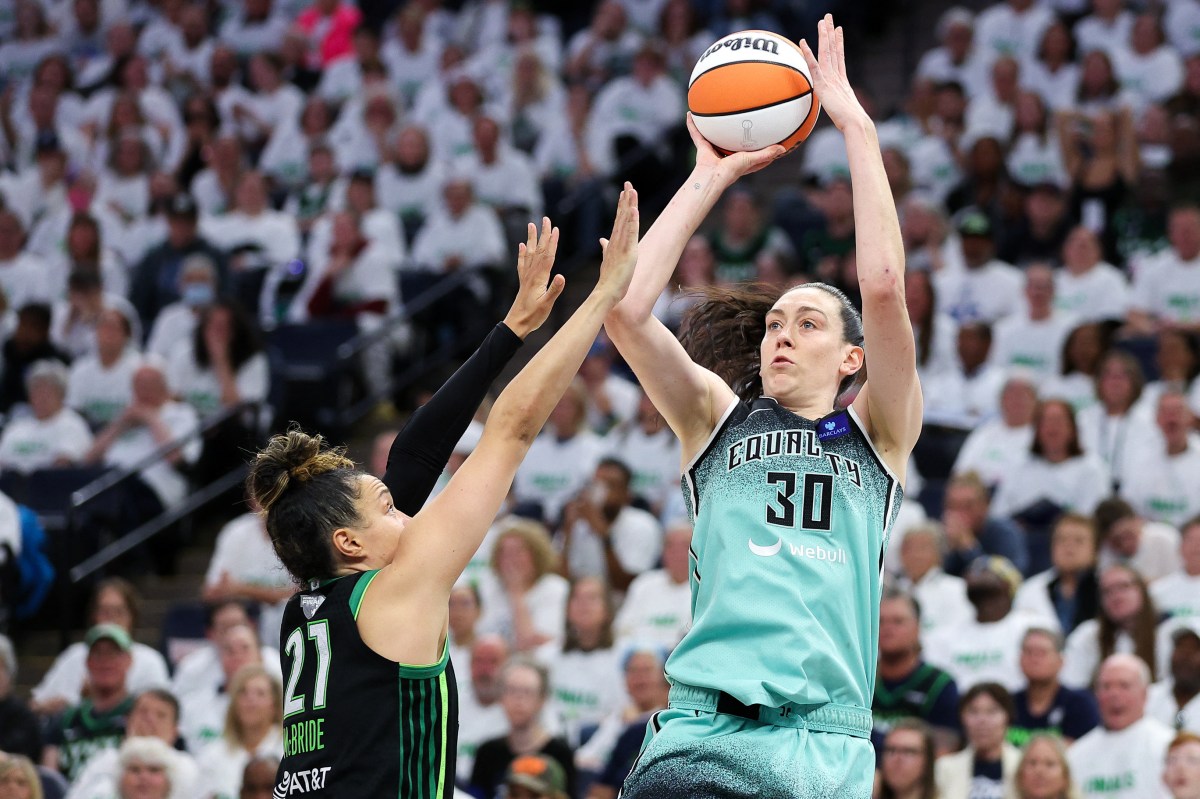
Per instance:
(748,61)
(800,96)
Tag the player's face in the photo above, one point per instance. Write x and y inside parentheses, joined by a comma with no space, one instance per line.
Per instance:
(803,347)
(1182,774)
(382,523)
(1042,773)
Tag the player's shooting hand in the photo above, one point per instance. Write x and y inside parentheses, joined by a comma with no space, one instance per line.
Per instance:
(621,248)
(537,291)
(828,69)
(734,165)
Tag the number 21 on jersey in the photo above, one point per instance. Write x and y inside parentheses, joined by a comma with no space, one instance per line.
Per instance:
(295,647)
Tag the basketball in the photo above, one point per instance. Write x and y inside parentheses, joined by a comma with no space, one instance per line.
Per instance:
(750,90)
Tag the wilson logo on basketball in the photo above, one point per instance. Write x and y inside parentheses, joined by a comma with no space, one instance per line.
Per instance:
(764,45)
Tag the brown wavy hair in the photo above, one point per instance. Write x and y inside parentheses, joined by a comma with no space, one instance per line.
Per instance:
(1143,627)
(722,332)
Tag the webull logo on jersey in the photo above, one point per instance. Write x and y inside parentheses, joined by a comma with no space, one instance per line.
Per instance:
(301,782)
(835,555)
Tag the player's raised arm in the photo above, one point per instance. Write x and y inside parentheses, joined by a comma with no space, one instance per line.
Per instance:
(890,404)
(689,397)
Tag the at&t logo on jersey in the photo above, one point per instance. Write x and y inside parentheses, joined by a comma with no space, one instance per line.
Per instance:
(301,782)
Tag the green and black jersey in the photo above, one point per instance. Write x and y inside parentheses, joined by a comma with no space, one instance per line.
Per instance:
(355,723)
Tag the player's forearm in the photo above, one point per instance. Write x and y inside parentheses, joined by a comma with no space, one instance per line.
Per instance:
(878,245)
(663,243)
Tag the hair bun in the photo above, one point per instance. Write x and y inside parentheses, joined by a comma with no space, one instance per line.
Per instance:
(291,456)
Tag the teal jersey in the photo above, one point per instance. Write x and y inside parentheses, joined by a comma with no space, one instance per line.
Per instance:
(791,523)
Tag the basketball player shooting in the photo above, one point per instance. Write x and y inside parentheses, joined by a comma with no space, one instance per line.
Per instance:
(793,479)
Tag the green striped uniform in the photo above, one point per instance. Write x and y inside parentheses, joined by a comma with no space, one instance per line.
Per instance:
(355,723)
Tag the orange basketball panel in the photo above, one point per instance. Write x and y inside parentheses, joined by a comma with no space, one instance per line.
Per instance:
(745,85)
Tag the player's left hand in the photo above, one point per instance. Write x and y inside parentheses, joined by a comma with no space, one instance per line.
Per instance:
(828,69)
(537,291)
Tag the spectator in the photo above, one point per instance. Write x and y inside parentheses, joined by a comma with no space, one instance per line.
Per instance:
(984,289)
(1149,68)
(1125,625)
(563,459)
(1053,72)
(1109,429)
(1175,700)
(114,601)
(464,234)
(20,731)
(535,777)
(996,447)
(256,28)
(658,604)
(1167,289)
(1044,705)
(1107,28)
(922,549)
(651,451)
(98,721)
(1178,594)
(154,715)
(355,280)
(329,26)
(1044,772)
(258,778)
(988,648)
(989,762)
(1066,594)
(481,713)
(466,608)
(1042,228)
(645,693)
(1161,483)
(954,59)
(1057,475)
(19,778)
(502,176)
(204,707)
(409,182)
(222,364)
(974,529)
(604,49)
(288,154)
(612,399)
(524,599)
(964,397)
(585,674)
(73,320)
(695,271)
(215,186)
(525,691)
(28,344)
(1088,287)
(1177,358)
(157,280)
(604,535)
(935,332)
(244,567)
(253,728)
(1123,757)
(1182,774)
(1125,537)
(99,386)
(24,276)
(147,770)
(412,55)
(54,435)
(1034,340)
(906,763)
(905,685)
(177,321)
(200,670)
(1082,351)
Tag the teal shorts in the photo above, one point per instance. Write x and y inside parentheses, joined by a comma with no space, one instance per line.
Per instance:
(709,755)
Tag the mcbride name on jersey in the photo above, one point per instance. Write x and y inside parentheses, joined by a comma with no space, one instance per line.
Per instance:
(356,724)
(791,517)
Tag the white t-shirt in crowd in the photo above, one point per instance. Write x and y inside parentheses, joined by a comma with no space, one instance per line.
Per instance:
(222,764)
(960,400)
(26,279)
(546,601)
(554,471)
(245,553)
(10,527)
(993,450)
(199,386)
(973,652)
(1122,765)
(1033,598)
(1151,78)
(1078,484)
(654,460)
(69,672)
(584,687)
(476,238)
(623,398)
(1177,594)
(1162,707)
(1168,288)
(1116,440)
(416,194)
(1002,30)
(985,294)
(1094,33)
(943,601)
(938,65)
(1181,23)
(273,235)
(1165,488)
(1081,657)
(656,610)
(174,323)
(476,725)
(1157,554)
(1099,294)
(1057,88)
(199,671)
(101,776)
(510,181)
(1019,342)
(101,392)
(136,444)
(29,443)
(636,539)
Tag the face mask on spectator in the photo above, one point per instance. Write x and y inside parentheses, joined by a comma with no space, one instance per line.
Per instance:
(197,295)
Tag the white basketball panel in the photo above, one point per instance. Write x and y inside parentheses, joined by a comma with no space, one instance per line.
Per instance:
(753,130)
(750,46)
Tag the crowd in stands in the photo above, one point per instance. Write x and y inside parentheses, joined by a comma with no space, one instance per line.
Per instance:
(179,177)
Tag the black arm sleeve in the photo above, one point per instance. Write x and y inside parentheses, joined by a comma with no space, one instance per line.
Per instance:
(423,447)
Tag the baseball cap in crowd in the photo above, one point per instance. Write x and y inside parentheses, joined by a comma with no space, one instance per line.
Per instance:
(182,204)
(540,774)
(109,632)
(973,222)
(999,566)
